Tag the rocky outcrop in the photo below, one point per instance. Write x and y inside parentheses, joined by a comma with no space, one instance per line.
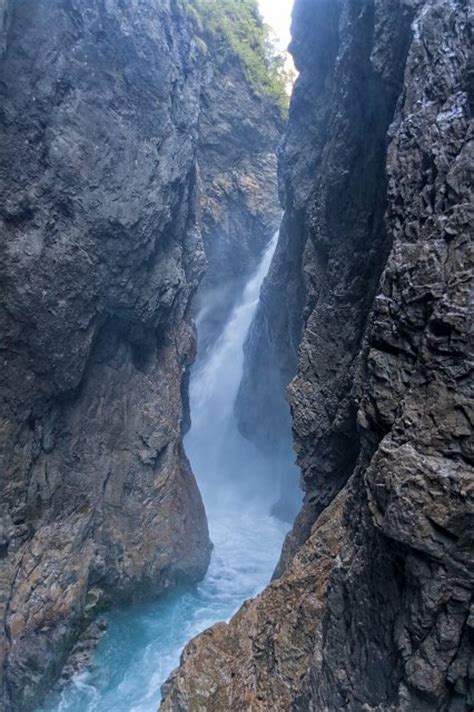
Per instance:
(105,169)
(271,348)
(239,131)
(270,358)
(373,606)
(101,253)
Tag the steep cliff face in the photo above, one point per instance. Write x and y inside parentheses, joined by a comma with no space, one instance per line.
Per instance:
(239,131)
(100,255)
(373,608)
(101,116)
(270,359)
(271,349)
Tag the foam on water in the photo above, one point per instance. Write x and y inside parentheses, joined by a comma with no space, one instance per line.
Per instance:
(143,643)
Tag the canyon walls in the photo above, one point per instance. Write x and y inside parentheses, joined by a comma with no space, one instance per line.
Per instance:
(238,137)
(101,252)
(107,169)
(372,606)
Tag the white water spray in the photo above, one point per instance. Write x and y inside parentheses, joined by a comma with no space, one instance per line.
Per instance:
(214,387)
(229,469)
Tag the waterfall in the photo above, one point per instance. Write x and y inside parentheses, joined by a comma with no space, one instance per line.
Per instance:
(143,642)
(214,386)
(228,468)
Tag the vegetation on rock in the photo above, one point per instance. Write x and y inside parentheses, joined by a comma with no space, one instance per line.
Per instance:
(240,24)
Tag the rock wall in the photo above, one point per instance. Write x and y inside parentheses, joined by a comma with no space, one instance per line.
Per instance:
(239,132)
(373,608)
(271,348)
(270,360)
(105,170)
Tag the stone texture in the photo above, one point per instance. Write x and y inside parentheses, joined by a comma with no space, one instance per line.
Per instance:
(377,168)
(238,136)
(270,357)
(101,253)
(101,112)
(228,669)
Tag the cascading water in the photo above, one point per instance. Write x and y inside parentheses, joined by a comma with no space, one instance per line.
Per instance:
(229,469)
(143,643)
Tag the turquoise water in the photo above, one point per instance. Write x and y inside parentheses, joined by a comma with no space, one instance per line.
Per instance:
(143,643)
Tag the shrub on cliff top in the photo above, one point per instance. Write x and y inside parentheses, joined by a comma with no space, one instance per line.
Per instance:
(240,24)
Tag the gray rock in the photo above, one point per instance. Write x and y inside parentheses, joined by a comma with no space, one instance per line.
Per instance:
(372,607)
(101,117)
(239,131)
(101,253)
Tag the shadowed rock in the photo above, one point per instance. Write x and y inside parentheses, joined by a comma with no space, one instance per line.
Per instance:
(373,606)
(102,131)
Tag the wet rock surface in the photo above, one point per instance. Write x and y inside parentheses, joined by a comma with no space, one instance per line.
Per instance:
(239,132)
(101,253)
(372,609)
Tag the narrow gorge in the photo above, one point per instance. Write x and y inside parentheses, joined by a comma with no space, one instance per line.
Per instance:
(236,415)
